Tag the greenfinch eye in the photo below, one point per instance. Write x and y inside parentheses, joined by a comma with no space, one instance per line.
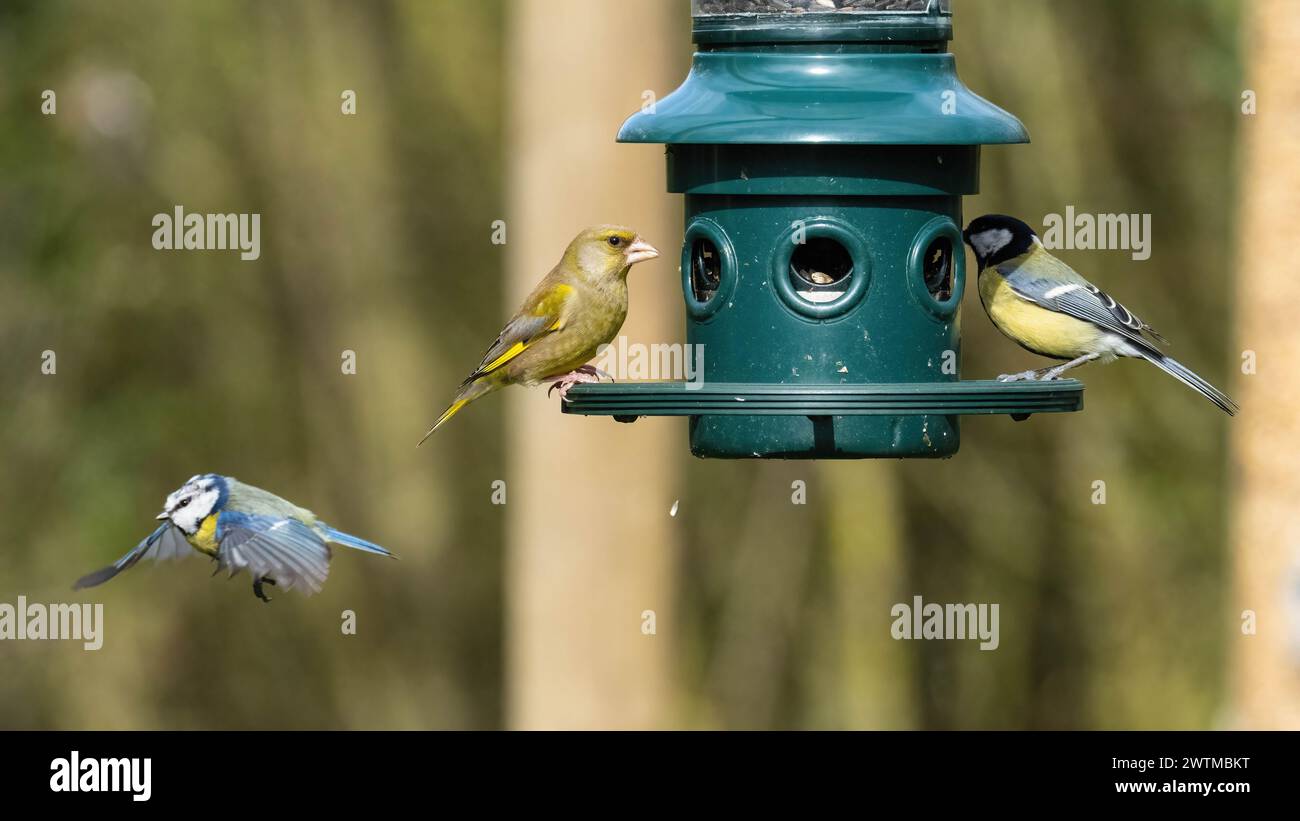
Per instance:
(615,241)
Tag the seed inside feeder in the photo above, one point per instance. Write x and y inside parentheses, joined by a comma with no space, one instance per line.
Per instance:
(706,270)
(938,269)
(820,269)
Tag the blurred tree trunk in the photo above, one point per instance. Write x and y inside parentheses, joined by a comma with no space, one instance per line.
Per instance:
(591,545)
(875,677)
(1266,437)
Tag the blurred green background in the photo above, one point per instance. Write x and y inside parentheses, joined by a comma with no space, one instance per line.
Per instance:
(375,234)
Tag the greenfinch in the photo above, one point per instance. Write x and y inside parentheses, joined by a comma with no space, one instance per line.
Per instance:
(579,306)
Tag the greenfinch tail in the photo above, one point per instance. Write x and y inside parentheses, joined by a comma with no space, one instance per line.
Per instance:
(467,393)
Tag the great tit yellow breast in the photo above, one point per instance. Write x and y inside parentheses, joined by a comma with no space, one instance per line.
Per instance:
(1044,332)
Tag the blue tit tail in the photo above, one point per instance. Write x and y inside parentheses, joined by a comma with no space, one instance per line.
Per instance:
(1189,378)
(348,540)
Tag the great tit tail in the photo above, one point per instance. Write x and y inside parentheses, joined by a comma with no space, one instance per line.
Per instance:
(348,540)
(1189,378)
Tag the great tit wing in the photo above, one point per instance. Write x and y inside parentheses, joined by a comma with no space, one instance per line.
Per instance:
(283,549)
(167,542)
(1125,317)
(543,313)
(1079,299)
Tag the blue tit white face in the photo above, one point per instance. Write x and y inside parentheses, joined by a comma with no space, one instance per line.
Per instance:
(197,499)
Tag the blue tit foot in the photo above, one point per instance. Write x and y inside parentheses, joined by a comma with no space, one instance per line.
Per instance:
(257,588)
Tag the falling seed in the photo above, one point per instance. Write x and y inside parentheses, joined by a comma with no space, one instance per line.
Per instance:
(673,511)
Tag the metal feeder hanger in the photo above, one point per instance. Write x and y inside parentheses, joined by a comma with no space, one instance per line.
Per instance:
(823,157)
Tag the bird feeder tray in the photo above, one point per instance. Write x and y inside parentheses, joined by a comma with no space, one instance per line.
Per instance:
(818,421)
(973,397)
(823,156)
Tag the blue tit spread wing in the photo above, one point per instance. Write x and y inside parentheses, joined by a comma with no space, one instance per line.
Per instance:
(542,314)
(279,548)
(1080,299)
(167,542)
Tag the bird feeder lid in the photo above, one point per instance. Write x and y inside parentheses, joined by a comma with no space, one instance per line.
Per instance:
(883,78)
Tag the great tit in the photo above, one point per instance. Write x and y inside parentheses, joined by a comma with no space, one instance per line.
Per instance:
(579,306)
(1042,304)
(240,527)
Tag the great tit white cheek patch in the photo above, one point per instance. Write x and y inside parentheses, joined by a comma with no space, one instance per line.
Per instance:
(988,243)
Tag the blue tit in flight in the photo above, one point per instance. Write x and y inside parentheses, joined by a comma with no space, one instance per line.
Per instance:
(1042,304)
(240,527)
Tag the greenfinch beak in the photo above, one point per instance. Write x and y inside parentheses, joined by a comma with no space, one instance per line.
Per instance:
(640,251)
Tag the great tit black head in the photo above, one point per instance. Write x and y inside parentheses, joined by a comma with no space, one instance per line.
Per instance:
(996,238)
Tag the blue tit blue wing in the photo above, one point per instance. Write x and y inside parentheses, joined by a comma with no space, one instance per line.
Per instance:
(279,548)
(167,542)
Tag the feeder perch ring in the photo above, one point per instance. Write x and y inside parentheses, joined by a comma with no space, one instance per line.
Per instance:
(967,398)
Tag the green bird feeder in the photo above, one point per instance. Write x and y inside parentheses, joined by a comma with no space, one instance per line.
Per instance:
(823,147)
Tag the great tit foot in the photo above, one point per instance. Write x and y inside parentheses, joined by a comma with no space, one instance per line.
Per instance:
(257,588)
(1028,376)
(1052,374)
